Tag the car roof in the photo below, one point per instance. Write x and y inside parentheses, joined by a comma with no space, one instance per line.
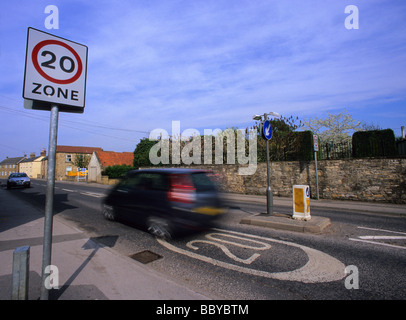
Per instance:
(169,170)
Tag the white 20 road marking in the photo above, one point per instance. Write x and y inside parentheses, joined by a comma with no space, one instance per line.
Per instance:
(320,267)
(264,246)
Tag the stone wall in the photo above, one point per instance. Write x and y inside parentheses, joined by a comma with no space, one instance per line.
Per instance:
(107,180)
(380,180)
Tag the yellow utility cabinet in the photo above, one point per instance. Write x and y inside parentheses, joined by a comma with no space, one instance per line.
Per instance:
(301,202)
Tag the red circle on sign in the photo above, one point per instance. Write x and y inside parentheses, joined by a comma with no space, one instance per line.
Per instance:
(34,57)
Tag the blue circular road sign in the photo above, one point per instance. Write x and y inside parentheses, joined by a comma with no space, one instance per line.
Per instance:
(267,130)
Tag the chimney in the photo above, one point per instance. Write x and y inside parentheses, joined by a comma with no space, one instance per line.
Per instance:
(32,155)
(44,152)
(402,128)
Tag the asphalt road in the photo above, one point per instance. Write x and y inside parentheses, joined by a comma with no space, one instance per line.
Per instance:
(236,261)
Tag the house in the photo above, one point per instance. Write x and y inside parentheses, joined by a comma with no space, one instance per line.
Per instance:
(44,168)
(9,165)
(102,159)
(33,166)
(27,164)
(30,166)
(66,156)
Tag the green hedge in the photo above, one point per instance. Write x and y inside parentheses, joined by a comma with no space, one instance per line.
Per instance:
(117,171)
(374,143)
(305,148)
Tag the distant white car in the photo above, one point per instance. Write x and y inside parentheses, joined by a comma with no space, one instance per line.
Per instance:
(19,179)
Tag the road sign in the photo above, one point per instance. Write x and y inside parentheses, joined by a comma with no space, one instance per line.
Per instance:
(267,130)
(54,80)
(315,143)
(55,73)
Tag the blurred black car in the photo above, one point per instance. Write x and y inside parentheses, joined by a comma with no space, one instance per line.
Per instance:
(18,179)
(165,200)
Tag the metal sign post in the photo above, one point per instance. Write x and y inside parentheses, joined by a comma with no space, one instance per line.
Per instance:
(316,148)
(49,201)
(54,80)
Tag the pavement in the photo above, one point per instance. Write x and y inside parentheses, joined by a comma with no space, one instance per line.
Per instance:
(88,270)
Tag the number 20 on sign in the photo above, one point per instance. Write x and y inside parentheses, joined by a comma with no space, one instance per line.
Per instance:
(55,72)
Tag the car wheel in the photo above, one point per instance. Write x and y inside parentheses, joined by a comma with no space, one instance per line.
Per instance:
(159,228)
(109,213)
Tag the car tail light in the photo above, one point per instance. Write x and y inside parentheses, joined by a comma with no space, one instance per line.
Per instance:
(181,189)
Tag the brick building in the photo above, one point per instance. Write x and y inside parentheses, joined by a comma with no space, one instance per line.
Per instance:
(65,158)
(10,165)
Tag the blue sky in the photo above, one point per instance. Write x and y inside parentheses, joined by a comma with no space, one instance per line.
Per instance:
(208,64)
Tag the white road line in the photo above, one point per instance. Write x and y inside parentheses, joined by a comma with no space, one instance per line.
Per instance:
(380,243)
(68,190)
(92,194)
(367,239)
(382,230)
(382,237)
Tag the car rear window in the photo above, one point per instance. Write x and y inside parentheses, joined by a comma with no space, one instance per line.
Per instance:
(146,181)
(202,182)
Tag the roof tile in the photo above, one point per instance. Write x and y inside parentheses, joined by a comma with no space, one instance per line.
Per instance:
(77,149)
(111,158)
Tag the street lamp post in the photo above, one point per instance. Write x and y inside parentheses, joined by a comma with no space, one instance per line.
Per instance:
(269,195)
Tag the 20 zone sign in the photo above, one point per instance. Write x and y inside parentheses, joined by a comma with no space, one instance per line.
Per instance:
(55,72)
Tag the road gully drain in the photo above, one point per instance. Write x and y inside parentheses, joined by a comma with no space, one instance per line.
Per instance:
(145,256)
